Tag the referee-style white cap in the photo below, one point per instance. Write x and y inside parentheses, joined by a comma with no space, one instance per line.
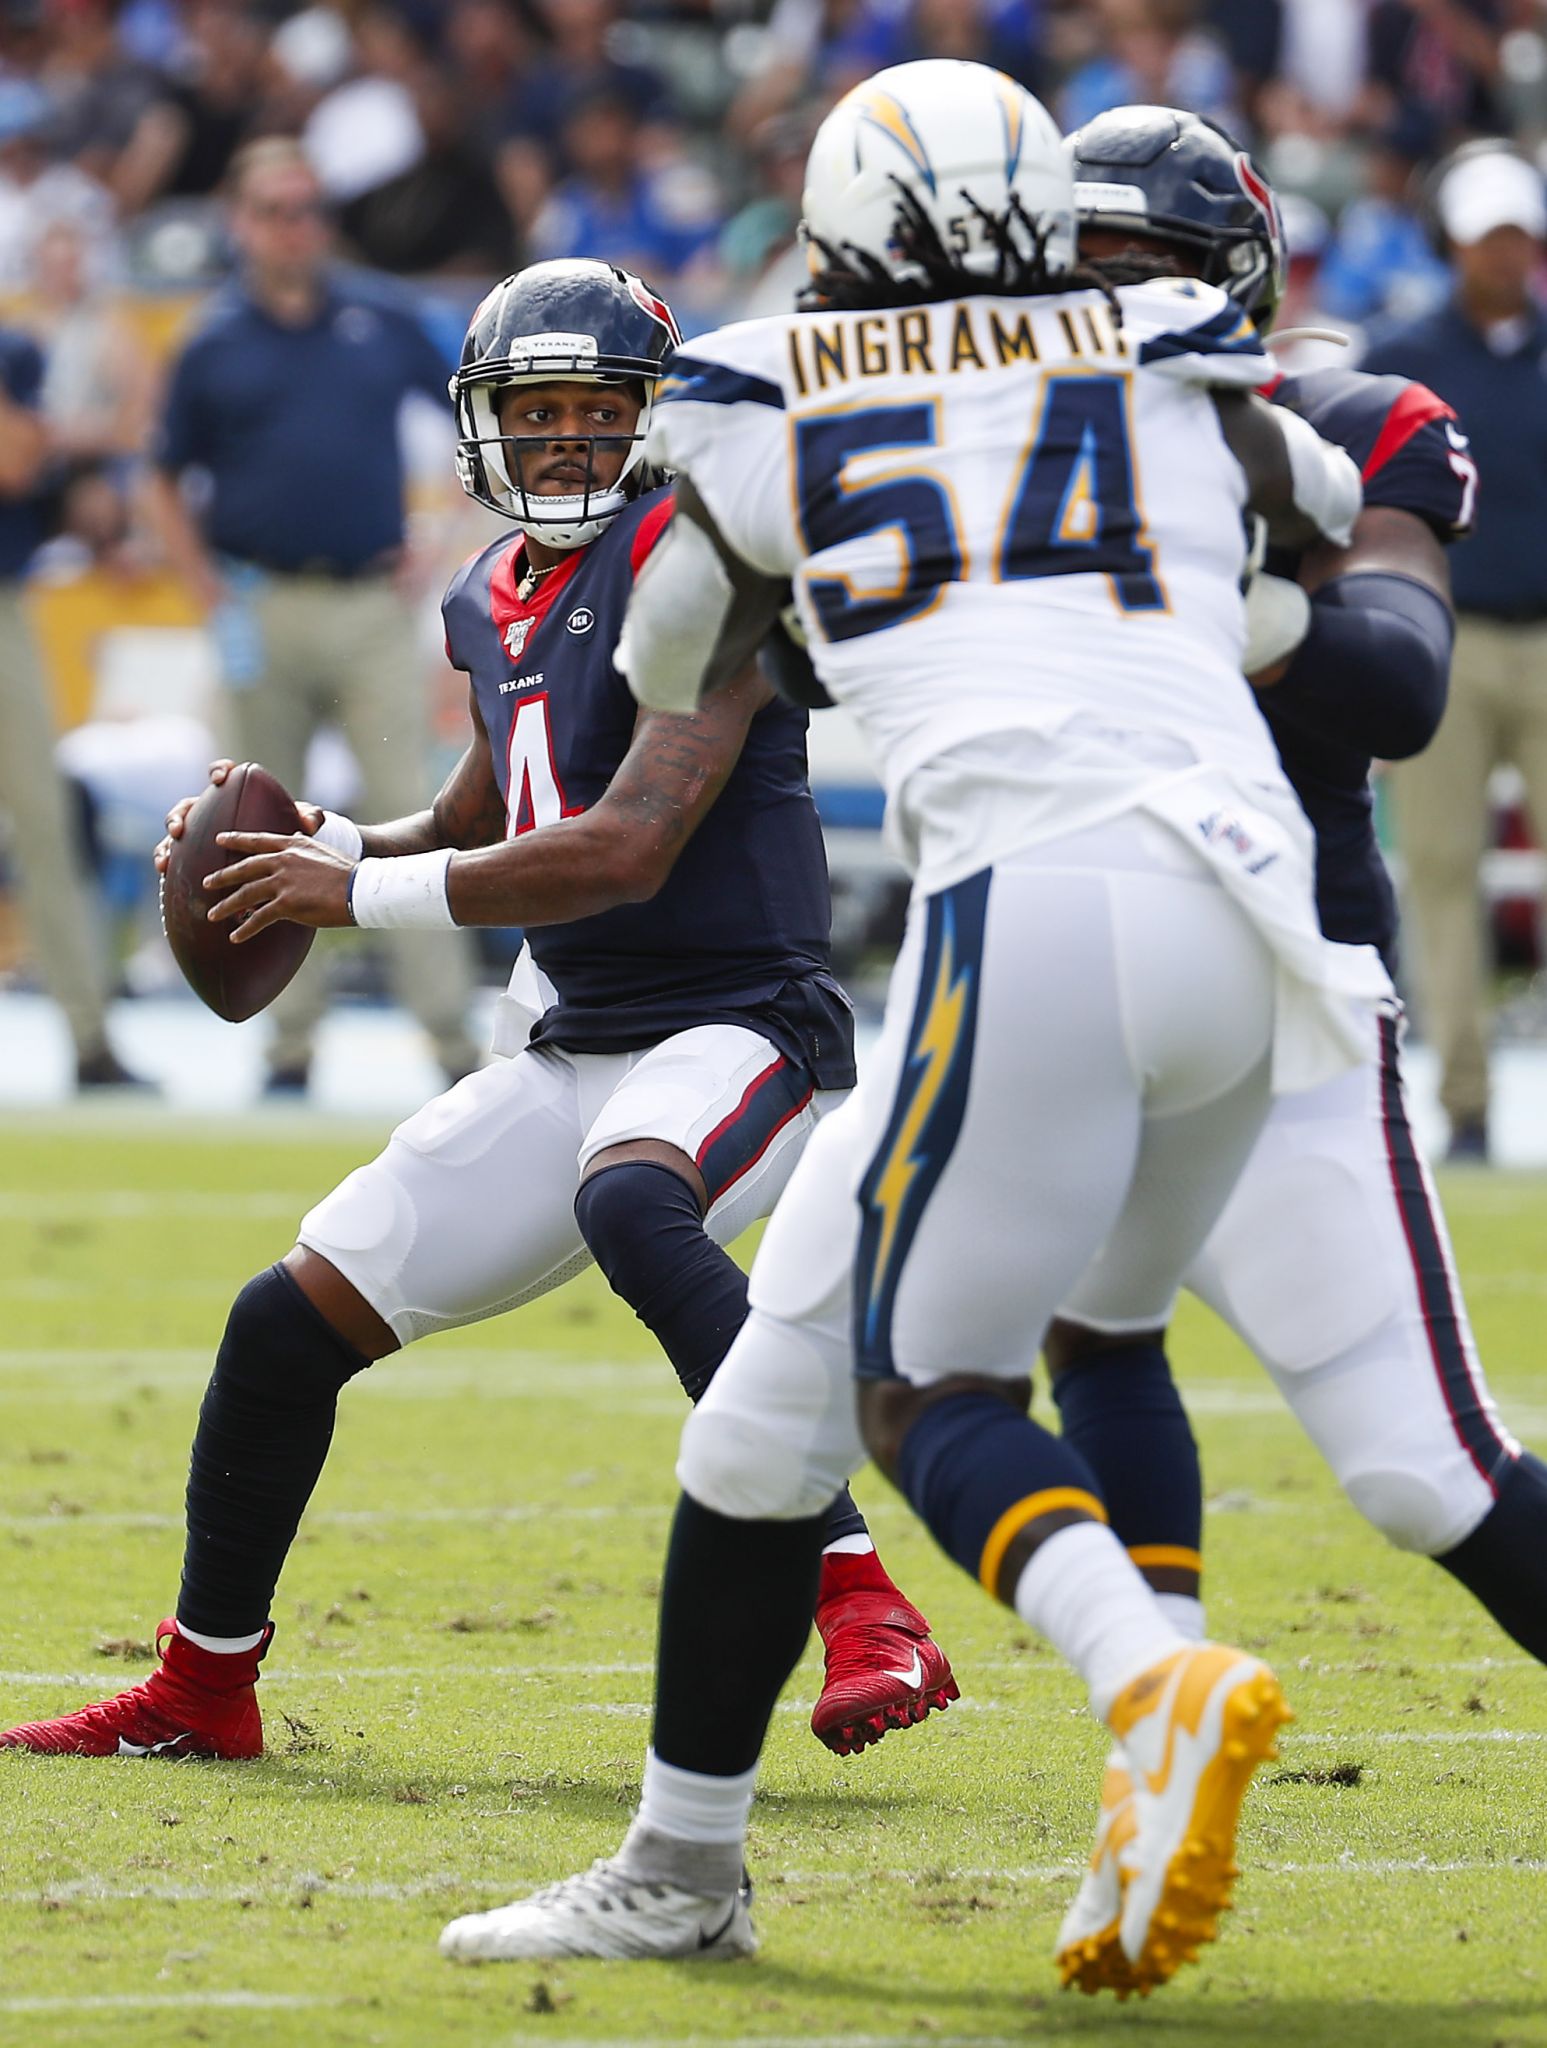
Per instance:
(1491,191)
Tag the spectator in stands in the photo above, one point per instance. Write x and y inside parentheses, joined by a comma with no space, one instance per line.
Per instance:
(97,379)
(1483,352)
(1004,33)
(287,400)
(441,210)
(61,925)
(1439,56)
(764,263)
(98,93)
(659,220)
(1154,53)
(35,189)
(1382,260)
(580,65)
(183,143)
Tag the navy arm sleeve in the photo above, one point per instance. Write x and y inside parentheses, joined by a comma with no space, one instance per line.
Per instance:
(1374,668)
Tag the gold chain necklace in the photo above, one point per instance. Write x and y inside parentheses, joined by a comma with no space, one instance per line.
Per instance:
(529,582)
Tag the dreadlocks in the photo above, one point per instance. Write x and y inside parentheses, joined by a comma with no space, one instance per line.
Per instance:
(854,281)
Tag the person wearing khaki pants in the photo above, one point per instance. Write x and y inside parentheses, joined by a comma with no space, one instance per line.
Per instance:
(346,653)
(1485,354)
(286,403)
(41,850)
(1497,712)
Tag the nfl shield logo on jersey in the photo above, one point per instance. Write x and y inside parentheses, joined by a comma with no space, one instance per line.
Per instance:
(515,637)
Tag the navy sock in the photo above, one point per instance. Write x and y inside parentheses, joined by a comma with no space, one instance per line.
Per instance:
(736,1601)
(264,1429)
(642,1224)
(991,1485)
(1504,1560)
(1121,1411)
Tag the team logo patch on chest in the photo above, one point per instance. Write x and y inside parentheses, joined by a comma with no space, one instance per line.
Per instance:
(516,636)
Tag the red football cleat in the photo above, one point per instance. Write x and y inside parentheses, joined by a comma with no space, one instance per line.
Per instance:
(196,1703)
(884,1669)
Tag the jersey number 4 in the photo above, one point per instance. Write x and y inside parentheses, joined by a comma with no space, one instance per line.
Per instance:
(534,794)
(1072,508)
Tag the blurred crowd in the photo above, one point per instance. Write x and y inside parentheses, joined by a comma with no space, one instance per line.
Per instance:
(457,138)
(435,145)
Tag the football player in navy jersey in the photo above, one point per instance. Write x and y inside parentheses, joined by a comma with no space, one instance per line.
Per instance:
(1331,1260)
(671,1036)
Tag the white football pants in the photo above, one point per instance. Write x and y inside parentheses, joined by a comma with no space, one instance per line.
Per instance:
(1075,1057)
(470,1210)
(1332,1263)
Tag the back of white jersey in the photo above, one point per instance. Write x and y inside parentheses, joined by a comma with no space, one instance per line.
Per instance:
(997,514)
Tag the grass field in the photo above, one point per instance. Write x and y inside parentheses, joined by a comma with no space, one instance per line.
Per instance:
(457,1699)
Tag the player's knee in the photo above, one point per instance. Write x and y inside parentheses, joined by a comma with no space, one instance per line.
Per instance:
(1410,1509)
(749,1469)
(630,1216)
(278,1345)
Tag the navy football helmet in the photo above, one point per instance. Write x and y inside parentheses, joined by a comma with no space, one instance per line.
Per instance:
(1176,177)
(570,320)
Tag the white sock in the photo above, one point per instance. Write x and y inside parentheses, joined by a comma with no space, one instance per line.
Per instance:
(849,1546)
(693,1807)
(1184,1611)
(1085,1594)
(223,1646)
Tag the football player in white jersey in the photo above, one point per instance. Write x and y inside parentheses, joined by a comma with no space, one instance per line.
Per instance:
(1331,1260)
(1010,501)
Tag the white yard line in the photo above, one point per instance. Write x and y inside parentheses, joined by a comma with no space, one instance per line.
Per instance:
(533,1511)
(283,1891)
(113,1205)
(156,2001)
(536,1666)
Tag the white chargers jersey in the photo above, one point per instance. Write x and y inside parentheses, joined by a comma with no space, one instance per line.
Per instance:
(998,515)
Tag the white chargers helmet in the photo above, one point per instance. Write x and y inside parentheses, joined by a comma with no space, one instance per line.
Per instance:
(941,166)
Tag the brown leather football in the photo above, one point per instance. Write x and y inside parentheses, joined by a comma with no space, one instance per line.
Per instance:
(235,981)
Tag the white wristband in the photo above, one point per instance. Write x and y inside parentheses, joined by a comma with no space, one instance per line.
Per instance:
(340,835)
(410,890)
(1327,488)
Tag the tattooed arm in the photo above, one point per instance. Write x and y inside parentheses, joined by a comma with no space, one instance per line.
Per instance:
(469,810)
(623,848)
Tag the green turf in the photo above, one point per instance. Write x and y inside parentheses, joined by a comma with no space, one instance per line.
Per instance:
(457,1697)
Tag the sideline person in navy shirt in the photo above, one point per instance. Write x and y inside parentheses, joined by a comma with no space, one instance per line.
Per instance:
(282,412)
(1485,353)
(61,928)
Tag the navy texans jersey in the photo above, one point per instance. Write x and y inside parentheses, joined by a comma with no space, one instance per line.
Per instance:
(1413,456)
(739,933)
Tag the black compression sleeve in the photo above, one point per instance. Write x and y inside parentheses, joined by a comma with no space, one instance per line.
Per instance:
(1372,672)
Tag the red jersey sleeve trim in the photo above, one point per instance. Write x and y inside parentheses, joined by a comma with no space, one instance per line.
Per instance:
(1414,409)
(649,531)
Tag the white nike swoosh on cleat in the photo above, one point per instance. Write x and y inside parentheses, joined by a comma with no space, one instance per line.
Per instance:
(913,1676)
(128,1748)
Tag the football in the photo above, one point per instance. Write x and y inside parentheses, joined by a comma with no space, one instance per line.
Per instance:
(235,981)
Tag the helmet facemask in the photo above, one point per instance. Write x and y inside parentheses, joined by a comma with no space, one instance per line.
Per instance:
(495,467)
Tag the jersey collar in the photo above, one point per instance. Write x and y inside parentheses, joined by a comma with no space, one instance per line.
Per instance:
(516,620)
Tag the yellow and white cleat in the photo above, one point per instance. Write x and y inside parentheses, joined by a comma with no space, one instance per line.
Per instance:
(1192,1729)
(1089,1951)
